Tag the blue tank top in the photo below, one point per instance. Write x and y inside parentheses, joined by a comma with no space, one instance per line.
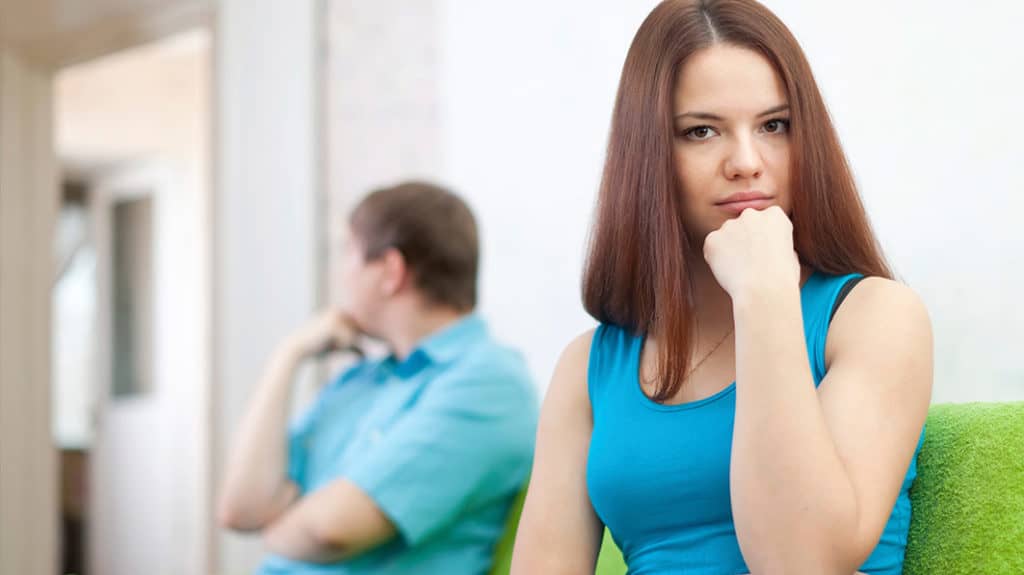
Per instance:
(658,475)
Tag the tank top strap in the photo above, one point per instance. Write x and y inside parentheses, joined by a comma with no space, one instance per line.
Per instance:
(819,299)
(611,353)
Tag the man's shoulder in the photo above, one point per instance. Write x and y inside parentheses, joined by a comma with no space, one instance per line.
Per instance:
(485,374)
(490,360)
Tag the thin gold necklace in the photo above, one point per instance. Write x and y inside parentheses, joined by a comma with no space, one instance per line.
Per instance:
(710,353)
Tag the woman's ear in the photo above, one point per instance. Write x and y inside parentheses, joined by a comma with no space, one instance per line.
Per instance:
(396,274)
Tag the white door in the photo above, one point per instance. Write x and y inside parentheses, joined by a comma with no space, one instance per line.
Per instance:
(141,492)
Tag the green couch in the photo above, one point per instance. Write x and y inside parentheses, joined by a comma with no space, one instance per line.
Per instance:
(968,498)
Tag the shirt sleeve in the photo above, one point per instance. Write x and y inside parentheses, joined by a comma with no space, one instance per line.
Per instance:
(459,444)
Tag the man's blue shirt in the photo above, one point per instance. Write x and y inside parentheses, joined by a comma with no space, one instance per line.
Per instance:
(441,441)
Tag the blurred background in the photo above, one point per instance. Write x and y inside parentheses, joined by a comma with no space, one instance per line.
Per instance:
(174,177)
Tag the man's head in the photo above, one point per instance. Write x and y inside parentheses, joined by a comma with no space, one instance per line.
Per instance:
(414,245)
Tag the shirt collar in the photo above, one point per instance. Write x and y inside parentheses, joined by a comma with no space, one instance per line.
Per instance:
(439,347)
(452,340)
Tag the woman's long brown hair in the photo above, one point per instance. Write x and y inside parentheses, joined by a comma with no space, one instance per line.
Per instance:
(636,273)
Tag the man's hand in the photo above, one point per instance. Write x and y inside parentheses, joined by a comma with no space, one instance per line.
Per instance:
(331,330)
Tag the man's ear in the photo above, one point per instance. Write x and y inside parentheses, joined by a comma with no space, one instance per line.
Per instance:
(396,274)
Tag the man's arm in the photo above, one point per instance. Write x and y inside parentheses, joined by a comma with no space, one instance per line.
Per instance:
(256,488)
(467,435)
(334,523)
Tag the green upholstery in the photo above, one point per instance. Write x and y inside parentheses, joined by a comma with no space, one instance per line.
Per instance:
(610,561)
(968,498)
(503,552)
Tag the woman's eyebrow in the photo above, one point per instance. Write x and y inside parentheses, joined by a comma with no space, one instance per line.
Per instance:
(774,110)
(717,118)
(700,116)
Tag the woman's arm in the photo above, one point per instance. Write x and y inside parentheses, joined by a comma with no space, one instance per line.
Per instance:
(256,488)
(815,473)
(559,534)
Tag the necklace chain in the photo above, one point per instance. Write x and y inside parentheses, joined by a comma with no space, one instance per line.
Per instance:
(710,353)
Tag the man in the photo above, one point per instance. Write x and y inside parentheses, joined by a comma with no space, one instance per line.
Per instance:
(405,464)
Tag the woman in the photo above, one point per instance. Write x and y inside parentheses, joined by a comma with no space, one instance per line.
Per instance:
(747,404)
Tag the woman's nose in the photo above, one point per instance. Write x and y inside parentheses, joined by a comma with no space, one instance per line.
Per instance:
(744,160)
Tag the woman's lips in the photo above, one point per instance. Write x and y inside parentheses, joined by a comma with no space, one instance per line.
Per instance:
(738,206)
(736,203)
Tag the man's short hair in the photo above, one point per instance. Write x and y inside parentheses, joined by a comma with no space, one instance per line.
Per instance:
(435,232)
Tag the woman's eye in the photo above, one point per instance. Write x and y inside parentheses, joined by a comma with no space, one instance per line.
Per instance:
(776,126)
(700,133)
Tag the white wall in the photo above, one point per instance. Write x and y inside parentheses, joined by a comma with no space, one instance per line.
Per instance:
(926,98)
(265,219)
(382,111)
(527,91)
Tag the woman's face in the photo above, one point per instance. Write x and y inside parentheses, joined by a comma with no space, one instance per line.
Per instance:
(731,123)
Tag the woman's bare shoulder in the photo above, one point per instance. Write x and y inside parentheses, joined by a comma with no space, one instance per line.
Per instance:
(877,297)
(880,309)
(569,380)
(577,351)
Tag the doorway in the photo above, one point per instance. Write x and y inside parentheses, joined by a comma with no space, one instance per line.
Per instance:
(130,314)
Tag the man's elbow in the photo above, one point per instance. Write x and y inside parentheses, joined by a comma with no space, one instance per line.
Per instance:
(234,516)
(251,511)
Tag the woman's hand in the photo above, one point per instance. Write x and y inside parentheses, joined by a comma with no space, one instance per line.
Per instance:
(753,254)
(331,330)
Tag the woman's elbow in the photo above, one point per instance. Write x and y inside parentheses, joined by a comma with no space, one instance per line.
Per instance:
(814,547)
